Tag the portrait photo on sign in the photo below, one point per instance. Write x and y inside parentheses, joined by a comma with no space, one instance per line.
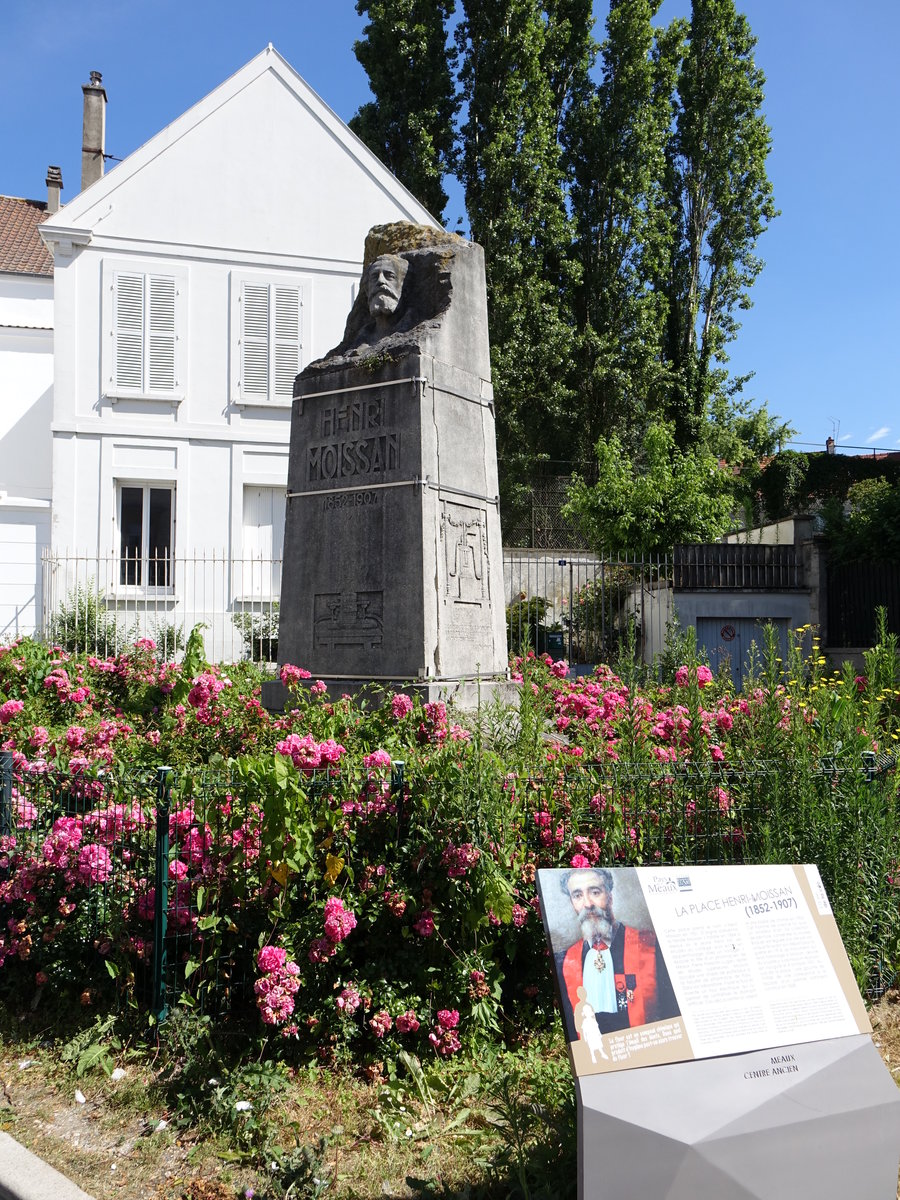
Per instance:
(610,971)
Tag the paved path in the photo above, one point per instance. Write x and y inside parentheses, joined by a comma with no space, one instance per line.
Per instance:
(24,1176)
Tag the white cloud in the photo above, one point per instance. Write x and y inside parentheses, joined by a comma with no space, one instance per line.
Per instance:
(880,434)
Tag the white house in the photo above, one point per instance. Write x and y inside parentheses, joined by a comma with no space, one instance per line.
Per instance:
(26,391)
(190,284)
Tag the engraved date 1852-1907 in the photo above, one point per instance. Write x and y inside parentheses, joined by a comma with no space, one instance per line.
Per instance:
(355,499)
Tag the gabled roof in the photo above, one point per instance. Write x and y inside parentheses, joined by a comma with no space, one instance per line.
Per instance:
(99,200)
(21,250)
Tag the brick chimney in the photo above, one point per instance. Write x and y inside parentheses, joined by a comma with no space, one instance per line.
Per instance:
(93,139)
(54,187)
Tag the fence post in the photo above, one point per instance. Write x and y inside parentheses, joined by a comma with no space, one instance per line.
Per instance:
(6,812)
(398,770)
(158,1002)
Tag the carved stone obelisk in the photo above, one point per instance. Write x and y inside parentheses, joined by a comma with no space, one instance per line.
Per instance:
(393,563)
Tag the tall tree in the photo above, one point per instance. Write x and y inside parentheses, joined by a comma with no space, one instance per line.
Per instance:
(518,60)
(722,197)
(615,137)
(409,124)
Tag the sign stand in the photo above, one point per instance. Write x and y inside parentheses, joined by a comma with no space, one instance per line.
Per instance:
(720,1046)
(732,1128)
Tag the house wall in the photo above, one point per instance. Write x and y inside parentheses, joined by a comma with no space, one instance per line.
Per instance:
(26,391)
(263,184)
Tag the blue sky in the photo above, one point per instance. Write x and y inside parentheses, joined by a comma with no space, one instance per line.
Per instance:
(822,335)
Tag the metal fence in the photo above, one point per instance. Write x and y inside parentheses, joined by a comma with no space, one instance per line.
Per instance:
(171,875)
(587,608)
(577,605)
(91,603)
(854,591)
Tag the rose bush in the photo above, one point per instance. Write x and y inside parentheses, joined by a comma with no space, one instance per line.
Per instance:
(352,904)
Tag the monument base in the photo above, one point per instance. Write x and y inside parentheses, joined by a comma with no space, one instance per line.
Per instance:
(819,1119)
(467,694)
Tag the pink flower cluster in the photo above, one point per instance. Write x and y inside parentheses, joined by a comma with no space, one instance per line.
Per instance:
(349,1000)
(380,1023)
(704,676)
(277,985)
(401,706)
(443,1035)
(407,1022)
(378,760)
(206,687)
(424,926)
(307,754)
(460,859)
(94,863)
(10,709)
(434,727)
(292,676)
(339,922)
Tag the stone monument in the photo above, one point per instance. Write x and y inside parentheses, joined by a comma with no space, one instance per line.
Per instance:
(393,563)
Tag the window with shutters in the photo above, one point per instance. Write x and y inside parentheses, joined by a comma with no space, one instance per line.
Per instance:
(146,519)
(268,340)
(144,339)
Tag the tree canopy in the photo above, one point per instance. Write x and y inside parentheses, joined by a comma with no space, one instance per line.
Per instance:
(619,190)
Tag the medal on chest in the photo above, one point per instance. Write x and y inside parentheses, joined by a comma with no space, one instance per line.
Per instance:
(599,961)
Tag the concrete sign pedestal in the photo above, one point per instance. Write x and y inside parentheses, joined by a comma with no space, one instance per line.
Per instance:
(816,1121)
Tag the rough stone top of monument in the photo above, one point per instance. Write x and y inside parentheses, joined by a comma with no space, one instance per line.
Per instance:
(422,291)
(400,236)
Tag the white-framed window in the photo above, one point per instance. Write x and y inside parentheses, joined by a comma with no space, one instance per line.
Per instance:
(267,339)
(146,525)
(144,335)
(262,541)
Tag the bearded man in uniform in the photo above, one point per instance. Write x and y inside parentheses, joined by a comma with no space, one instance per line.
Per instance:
(620,969)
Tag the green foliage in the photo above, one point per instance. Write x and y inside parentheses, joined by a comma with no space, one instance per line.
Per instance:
(619,215)
(522,620)
(614,137)
(409,125)
(658,499)
(82,623)
(534,1114)
(259,631)
(516,58)
(721,196)
(782,487)
(93,1047)
(598,619)
(871,528)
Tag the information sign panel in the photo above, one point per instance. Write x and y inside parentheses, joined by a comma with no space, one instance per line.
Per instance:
(667,964)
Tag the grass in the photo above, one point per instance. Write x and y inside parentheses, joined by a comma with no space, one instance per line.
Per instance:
(490,1127)
(493,1126)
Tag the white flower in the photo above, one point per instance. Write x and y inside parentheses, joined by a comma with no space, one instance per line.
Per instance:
(242,1105)
(213,1082)
(118,1073)
(79,1096)
(161,1125)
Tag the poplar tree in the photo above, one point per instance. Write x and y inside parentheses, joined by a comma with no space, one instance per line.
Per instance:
(410,123)
(518,59)
(721,197)
(615,139)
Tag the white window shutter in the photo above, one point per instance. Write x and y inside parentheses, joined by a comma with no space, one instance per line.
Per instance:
(287,339)
(128,331)
(255,340)
(161,334)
